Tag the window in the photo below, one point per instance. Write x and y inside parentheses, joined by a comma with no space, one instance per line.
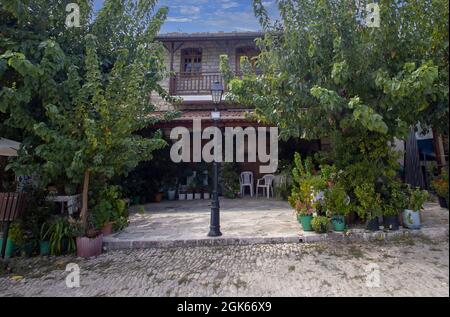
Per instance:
(191,61)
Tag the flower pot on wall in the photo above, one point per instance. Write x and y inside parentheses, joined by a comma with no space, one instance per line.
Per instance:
(28,249)
(158,197)
(305,221)
(443,202)
(171,194)
(206,196)
(189,196)
(44,248)
(182,197)
(373,225)
(338,223)
(411,219)
(107,229)
(10,248)
(391,223)
(198,196)
(87,247)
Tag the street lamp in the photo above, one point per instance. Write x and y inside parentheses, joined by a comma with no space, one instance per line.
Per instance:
(217,93)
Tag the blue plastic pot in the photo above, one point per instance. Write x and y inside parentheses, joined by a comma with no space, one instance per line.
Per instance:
(411,219)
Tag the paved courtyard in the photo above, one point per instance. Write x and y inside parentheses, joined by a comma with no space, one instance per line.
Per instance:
(406,267)
(243,221)
(190,220)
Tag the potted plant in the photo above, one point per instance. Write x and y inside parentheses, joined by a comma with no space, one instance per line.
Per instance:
(182,194)
(337,204)
(89,240)
(206,192)
(304,196)
(44,239)
(159,196)
(369,205)
(440,186)
(103,218)
(320,224)
(61,237)
(171,193)
(394,202)
(15,239)
(229,180)
(415,200)
(190,190)
(304,215)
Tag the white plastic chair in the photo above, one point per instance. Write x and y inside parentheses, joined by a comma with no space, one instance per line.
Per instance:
(246,180)
(266,183)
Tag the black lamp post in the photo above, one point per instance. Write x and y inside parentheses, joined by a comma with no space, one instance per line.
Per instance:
(217,93)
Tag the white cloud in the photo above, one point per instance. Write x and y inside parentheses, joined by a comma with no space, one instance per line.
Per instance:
(178,20)
(189,10)
(229,4)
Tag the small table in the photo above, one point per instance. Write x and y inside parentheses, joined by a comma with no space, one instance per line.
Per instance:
(73,202)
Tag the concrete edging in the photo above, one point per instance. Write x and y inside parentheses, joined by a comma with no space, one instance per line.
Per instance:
(354,235)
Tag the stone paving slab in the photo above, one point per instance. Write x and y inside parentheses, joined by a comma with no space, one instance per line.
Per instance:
(245,222)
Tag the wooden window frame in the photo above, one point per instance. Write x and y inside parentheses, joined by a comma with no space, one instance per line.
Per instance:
(193,53)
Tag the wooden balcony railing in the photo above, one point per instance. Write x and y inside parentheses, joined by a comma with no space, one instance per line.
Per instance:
(193,84)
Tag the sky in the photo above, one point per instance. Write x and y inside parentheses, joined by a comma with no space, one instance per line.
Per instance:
(209,15)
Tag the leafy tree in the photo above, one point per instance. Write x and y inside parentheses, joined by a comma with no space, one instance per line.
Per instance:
(79,97)
(324,73)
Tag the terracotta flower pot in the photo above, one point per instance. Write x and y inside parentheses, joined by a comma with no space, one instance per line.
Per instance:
(107,229)
(87,248)
(158,197)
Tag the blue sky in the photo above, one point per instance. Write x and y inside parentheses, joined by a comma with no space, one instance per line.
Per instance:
(209,15)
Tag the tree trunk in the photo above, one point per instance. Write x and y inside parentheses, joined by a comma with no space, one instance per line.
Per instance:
(84,209)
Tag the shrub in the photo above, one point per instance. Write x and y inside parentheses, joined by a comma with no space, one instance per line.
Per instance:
(369,204)
(320,224)
(305,188)
(440,185)
(109,207)
(337,201)
(416,198)
(230,178)
(394,199)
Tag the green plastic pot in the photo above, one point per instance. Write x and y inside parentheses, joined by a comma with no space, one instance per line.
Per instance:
(44,248)
(338,223)
(10,247)
(305,221)
(28,248)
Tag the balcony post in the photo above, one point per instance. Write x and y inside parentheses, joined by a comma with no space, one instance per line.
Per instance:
(172,78)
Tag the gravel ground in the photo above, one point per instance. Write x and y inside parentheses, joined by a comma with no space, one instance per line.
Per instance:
(406,267)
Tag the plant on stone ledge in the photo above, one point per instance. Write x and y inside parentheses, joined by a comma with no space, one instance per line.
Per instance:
(321,224)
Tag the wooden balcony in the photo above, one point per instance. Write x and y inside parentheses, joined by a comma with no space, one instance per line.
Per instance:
(193,84)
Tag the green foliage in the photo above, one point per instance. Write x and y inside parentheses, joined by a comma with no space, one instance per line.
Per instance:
(16,233)
(321,224)
(230,180)
(394,198)
(78,96)
(440,184)
(326,75)
(109,207)
(337,201)
(369,201)
(306,185)
(61,236)
(416,198)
